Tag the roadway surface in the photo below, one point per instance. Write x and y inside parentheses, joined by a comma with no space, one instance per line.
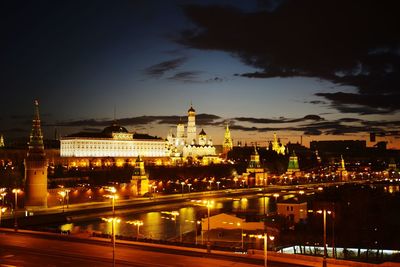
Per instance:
(25,249)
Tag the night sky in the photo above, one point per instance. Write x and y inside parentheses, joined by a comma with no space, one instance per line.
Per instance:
(321,69)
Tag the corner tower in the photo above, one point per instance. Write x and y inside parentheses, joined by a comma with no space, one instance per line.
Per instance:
(191,127)
(36,166)
(228,144)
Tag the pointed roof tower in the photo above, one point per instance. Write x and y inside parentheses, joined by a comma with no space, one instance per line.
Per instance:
(228,143)
(293,165)
(36,146)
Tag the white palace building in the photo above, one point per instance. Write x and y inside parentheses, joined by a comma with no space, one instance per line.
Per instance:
(115,145)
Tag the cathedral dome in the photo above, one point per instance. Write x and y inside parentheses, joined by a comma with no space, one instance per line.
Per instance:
(115,129)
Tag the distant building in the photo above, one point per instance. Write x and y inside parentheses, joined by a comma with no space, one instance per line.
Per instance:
(36,167)
(293,165)
(277,146)
(344,176)
(114,145)
(339,146)
(185,144)
(227,145)
(255,170)
(1,141)
(293,209)
(140,180)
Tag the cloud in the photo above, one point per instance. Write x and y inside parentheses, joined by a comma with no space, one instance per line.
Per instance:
(349,43)
(203,119)
(186,76)
(160,69)
(280,120)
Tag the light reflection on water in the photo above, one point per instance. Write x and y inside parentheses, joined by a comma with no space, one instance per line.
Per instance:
(156,227)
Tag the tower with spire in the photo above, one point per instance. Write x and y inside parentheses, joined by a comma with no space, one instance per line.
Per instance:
(140,180)
(227,145)
(36,166)
(293,166)
(344,177)
(255,171)
(191,126)
(1,141)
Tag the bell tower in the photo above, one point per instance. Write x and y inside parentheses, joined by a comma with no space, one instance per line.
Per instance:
(36,166)
(191,126)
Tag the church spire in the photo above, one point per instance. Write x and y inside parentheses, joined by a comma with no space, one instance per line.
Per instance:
(228,144)
(36,146)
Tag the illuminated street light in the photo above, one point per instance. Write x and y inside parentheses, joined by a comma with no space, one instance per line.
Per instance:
(189,185)
(1,212)
(324,212)
(265,237)
(209,204)
(235,180)
(62,194)
(113,220)
(218,185)
(210,184)
(137,223)
(16,191)
(183,184)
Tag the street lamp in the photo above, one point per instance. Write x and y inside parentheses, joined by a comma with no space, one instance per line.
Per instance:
(235,180)
(325,249)
(62,194)
(16,191)
(183,184)
(2,194)
(265,237)
(210,184)
(209,204)
(113,220)
(67,196)
(218,182)
(1,211)
(189,185)
(137,223)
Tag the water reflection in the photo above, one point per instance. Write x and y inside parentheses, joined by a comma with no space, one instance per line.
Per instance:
(158,225)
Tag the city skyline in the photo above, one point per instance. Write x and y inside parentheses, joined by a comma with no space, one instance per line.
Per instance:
(151,59)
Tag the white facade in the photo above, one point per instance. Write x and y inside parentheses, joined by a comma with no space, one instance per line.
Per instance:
(119,144)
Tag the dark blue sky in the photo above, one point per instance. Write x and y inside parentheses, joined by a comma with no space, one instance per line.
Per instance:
(265,66)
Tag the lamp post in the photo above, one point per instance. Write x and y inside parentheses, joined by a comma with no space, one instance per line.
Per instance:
(16,191)
(276,195)
(62,194)
(183,184)
(3,195)
(1,211)
(265,237)
(235,180)
(218,182)
(209,204)
(325,249)
(189,185)
(113,220)
(67,196)
(239,224)
(210,184)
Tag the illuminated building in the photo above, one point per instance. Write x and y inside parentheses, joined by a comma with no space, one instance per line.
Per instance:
(293,166)
(1,141)
(36,167)
(113,145)
(188,145)
(277,146)
(344,176)
(255,170)
(140,181)
(227,145)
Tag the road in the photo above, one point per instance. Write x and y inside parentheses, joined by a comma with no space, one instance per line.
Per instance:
(19,249)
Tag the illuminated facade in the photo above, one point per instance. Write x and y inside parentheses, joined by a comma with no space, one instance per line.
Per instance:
(343,174)
(293,166)
(188,145)
(1,141)
(140,180)
(36,167)
(113,141)
(227,145)
(255,171)
(277,146)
